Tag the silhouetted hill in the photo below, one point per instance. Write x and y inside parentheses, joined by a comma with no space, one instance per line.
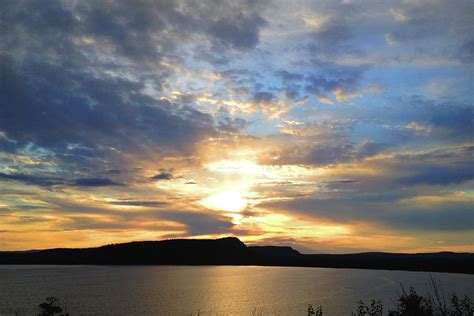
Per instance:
(231,251)
(179,251)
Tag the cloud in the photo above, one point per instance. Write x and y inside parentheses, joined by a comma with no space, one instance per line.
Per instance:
(289,76)
(96,94)
(85,120)
(369,148)
(240,33)
(132,30)
(426,23)
(95,182)
(77,74)
(328,31)
(440,170)
(325,100)
(341,82)
(328,153)
(270,104)
(390,191)
(139,203)
(451,217)
(457,121)
(445,166)
(47,181)
(391,213)
(419,128)
(33,179)
(200,223)
(314,22)
(349,181)
(390,39)
(466,52)
(398,15)
(163,175)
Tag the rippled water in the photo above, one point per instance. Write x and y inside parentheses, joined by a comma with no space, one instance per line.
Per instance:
(210,290)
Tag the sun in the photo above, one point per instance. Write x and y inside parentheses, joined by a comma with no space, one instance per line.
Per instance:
(230,201)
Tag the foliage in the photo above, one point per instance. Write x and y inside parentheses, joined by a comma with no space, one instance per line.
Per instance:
(432,304)
(374,309)
(412,304)
(50,308)
(315,312)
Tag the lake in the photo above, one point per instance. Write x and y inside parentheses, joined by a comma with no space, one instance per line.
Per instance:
(208,290)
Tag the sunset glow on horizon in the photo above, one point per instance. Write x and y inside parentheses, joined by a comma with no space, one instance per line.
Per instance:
(328,126)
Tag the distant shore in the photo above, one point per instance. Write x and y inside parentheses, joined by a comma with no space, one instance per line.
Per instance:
(231,251)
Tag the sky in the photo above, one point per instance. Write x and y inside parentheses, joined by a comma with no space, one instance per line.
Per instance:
(330,126)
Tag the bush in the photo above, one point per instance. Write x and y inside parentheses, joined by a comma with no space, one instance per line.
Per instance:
(412,304)
(374,309)
(313,312)
(433,304)
(49,307)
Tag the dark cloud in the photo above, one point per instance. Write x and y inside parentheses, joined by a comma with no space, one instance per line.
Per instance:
(349,181)
(150,218)
(232,124)
(264,96)
(369,148)
(440,175)
(240,32)
(95,182)
(60,93)
(335,79)
(456,120)
(267,102)
(139,203)
(194,222)
(388,196)
(450,217)
(114,171)
(446,216)
(135,30)
(411,119)
(291,84)
(334,34)
(289,76)
(33,179)
(428,20)
(437,167)
(329,152)
(163,175)
(200,223)
(117,225)
(80,117)
(466,52)
(24,207)
(47,181)
(433,30)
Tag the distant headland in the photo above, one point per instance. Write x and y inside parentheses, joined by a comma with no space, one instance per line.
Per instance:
(232,251)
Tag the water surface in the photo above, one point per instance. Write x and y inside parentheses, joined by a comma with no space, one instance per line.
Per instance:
(209,290)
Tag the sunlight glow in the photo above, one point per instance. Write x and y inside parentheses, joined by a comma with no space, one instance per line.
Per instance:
(230,201)
(241,167)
